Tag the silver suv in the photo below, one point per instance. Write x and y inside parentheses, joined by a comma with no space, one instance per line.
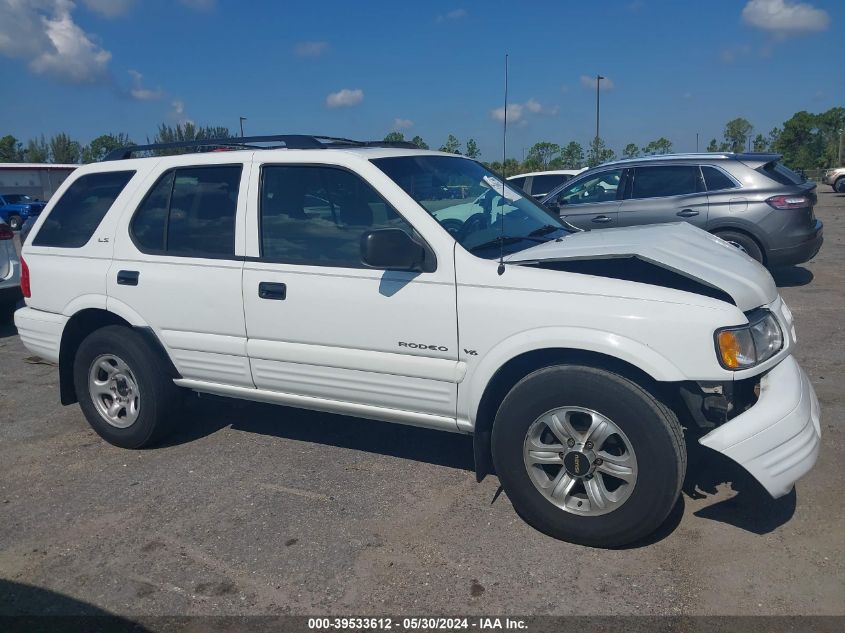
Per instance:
(749,200)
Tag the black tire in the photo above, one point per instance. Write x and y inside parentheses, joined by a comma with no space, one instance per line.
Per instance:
(744,242)
(15,222)
(652,429)
(839,185)
(158,396)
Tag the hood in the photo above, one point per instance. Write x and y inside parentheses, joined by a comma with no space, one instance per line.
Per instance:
(680,248)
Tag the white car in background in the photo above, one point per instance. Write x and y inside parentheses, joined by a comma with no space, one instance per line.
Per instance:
(540,183)
(835,178)
(10,268)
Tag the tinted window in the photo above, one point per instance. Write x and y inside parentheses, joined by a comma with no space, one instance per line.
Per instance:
(544,184)
(781,174)
(81,208)
(599,187)
(316,215)
(190,212)
(517,182)
(658,182)
(716,179)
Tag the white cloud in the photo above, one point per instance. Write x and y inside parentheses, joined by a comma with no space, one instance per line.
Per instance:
(515,112)
(518,112)
(456,14)
(345,98)
(200,5)
(43,33)
(138,91)
(311,49)
(784,18)
(109,8)
(590,82)
(727,56)
(402,124)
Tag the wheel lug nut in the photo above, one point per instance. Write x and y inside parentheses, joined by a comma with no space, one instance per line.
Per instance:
(599,461)
(588,445)
(570,442)
(561,454)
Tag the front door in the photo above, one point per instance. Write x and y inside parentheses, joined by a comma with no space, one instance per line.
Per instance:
(324,328)
(591,202)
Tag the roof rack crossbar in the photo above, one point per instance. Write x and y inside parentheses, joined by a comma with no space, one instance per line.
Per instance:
(290,141)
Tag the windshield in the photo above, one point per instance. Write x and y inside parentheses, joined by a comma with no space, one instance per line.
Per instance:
(471,202)
(16,198)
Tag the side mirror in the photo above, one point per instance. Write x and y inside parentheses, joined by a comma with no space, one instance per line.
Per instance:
(552,205)
(392,249)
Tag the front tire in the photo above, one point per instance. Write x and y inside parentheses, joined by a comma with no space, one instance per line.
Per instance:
(588,456)
(839,185)
(123,387)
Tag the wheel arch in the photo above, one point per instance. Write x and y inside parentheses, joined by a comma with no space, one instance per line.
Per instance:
(654,378)
(83,323)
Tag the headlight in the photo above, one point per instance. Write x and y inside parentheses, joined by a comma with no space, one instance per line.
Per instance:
(749,345)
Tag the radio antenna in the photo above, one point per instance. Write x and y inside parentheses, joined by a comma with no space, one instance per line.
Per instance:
(501,268)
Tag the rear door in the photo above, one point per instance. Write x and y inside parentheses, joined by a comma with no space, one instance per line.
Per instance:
(591,201)
(179,266)
(657,194)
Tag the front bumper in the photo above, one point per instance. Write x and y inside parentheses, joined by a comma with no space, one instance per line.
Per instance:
(777,440)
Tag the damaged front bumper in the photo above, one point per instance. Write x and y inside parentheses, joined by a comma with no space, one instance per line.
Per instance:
(777,439)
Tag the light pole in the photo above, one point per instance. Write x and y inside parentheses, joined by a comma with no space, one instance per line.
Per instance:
(598,88)
(696,142)
(243,118)
(841,132)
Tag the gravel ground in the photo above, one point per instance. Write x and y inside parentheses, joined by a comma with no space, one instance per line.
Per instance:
(259,509)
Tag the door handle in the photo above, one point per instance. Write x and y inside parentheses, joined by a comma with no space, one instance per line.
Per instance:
(601,219)
(269,290)
(687,213)
(127,277)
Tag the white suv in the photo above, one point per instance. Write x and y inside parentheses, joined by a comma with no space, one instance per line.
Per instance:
(316,276)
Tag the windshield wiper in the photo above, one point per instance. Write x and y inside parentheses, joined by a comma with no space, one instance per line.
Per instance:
(505,239)
(545,229)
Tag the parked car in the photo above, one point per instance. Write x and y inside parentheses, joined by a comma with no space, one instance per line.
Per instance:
(10,268)
(835,178)
(540,183)
(15,208)
(575,359)
(749,200)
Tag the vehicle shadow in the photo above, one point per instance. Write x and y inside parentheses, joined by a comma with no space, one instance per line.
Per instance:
(7,321)
(791,276)
(208,414)
(29,608)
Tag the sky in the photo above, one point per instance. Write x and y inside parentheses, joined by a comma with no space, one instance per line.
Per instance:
(362,69)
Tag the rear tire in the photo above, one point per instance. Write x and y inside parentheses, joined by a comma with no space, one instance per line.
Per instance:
(620,512)
(15,222)
(743,242)
(124,389)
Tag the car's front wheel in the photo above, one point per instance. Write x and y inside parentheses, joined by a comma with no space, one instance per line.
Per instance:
(839,185)
(588,456)
(125,392)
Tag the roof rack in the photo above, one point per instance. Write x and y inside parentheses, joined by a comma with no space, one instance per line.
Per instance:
(286,141)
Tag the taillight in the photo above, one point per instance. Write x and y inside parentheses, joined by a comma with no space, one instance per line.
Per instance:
(789,202)
(25,289)
(6,233)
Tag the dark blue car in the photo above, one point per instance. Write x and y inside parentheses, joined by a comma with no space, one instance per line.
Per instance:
(15,208)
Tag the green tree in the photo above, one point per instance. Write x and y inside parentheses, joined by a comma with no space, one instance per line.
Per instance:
(760,143)
(102,145)
(541,153)
(713,146)
(510,167)
(10,150)
(394,137)
(599,153)
(37,150)
(472,150)
(452,145)
(631,151)
(660,146)
(572,156)
(774,135)
(186,132)
(736,134)
(64,150)
(419,142)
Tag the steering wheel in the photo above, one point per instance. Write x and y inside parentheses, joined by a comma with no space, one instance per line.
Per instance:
(474,222)
(453,226)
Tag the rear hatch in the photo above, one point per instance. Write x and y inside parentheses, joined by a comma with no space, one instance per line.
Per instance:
(770,166)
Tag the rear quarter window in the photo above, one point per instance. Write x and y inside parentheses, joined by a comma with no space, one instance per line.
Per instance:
(79,211)
(780,173)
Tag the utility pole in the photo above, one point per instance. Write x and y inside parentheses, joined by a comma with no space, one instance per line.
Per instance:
(243,118)
(598,88)
(841,161)
(696,142)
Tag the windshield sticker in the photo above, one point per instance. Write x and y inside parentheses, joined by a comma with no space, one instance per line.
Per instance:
(496,185)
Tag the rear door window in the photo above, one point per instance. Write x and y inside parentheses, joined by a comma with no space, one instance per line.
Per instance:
(190,212)
(79,211)
(544,184)
(665,180)
(517,182)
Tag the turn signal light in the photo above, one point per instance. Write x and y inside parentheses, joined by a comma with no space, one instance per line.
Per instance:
(6,233)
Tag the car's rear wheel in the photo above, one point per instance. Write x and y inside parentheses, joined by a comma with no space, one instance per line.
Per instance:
(743,242)
(125,392)
(15,222)
(588,456)
(839,185)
